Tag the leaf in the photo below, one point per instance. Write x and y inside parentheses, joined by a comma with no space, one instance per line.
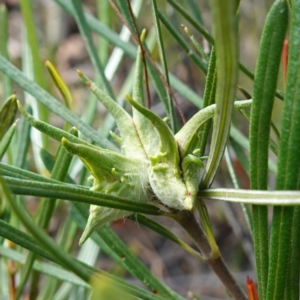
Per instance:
(257,197)
(110,243)
(79,194)
(131,145)
(53,104)
(130,50)
(60,84)
(5,142)
(8,113)
(51,131)
(264,90)
(283,276)
(45,268)
(7,83)
(188,136)
(89,43)
(63,258)
(15,172)
(165,175)
(29,243)
(146,131)
(167,141)
(162,231)
(226,44)
(163,60)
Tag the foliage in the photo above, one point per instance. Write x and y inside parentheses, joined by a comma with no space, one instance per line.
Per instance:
(153,166)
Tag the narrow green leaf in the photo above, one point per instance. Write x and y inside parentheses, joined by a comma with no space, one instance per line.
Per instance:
(15,172)
(194,57)
(209,98)
(63,258)
(49,161)
(188,17)
(4,143)
(8,113)
(111,244)
(163,60)
(258,197)
(264,90)
(66,237)
(236,184)
(89,44)
(46,208)
(60,84)
(196,44)
(162,231)
(7,83)
(101,29)
(22,142)
(37,63)
(53,104)
(284,260)
(52,131)
(28,19)
(130,50)
(227,62)
(155,285)
(200,28)
(195,10)
(187,137)
(45,268)
(22,239)
(125,13)
(79,194)
(59,172)
(239,151)
(292,282)
(26,241)
(104,12)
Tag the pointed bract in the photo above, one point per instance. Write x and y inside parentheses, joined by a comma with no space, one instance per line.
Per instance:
(154,163)
(147,132)
(113,174)
(187,138)
(165,176)
(131,144)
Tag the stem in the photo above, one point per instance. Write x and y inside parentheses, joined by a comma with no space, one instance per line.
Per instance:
(189,222)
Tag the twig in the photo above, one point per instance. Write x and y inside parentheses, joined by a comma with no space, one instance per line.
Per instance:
(189,222)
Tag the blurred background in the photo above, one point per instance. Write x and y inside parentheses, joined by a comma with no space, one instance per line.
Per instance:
(61,43)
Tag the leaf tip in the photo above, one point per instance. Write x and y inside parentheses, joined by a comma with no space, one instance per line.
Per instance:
(129,98)
(64,141)
(143,35)
(19,105)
